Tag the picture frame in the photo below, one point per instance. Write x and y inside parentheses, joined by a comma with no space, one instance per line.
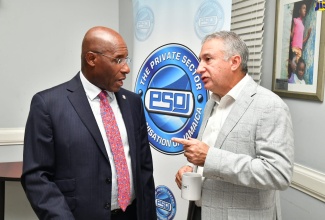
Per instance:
(298,67)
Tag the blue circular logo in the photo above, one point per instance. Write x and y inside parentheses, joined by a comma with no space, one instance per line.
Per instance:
(165,203)
(144,23)
(173,95)
(209,18)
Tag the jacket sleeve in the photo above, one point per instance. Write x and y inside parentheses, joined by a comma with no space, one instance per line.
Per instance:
(39,165)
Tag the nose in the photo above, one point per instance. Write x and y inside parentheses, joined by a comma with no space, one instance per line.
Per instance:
(125,68)
(200,69)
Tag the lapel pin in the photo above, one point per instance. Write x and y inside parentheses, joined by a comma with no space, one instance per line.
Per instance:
(123,96)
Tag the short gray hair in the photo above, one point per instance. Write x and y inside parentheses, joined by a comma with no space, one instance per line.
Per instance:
(233,45)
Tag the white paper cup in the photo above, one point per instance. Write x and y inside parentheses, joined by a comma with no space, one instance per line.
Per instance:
(191,186)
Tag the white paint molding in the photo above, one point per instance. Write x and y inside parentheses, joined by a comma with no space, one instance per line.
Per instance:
(11,136)
(309,181)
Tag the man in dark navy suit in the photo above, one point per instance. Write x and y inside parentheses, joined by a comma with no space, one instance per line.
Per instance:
(68,169)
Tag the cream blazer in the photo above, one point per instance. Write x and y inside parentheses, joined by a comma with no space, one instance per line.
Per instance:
(252,158)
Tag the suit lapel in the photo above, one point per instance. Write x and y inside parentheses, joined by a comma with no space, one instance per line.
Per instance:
(125,109)
(79,101)
(242,103)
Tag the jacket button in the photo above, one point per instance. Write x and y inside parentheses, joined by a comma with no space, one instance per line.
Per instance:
(108,180)
(107,205)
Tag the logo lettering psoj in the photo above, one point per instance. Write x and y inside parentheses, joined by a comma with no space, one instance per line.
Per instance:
(173,95)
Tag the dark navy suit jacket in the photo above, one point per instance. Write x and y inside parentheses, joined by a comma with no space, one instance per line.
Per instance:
(66,170)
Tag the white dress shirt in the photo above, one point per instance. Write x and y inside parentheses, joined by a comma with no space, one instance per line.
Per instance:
(92,92)
(218,117)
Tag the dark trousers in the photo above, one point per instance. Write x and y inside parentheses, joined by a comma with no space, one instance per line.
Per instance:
(194,212)
(129,214)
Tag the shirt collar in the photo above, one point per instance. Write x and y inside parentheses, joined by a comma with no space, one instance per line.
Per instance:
(234,92)
(91,90)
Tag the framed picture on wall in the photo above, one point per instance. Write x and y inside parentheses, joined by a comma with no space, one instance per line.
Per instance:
(299,49)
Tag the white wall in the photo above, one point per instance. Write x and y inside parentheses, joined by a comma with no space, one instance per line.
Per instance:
(40,46)
(126,30)
(309,124)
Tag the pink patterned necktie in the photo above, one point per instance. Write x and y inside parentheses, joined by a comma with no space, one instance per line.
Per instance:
(115,142)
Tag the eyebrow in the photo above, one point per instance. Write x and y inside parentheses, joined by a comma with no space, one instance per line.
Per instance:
(205,54)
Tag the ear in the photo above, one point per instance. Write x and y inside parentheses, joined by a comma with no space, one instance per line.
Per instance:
(235,62)
(90,58)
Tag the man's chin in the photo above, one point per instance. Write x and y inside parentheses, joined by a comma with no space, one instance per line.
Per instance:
(117,88)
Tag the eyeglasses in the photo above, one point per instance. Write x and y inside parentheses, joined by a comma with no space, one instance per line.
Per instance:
(120,61)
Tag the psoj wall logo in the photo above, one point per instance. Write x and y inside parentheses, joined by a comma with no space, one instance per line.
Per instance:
(319,6)
(173,95)
(144,23)
(209,18)
(165,203)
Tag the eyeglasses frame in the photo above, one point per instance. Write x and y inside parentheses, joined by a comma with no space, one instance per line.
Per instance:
(120,61)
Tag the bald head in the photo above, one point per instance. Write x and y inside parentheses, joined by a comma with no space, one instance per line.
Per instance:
(100,39)
(102,50)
